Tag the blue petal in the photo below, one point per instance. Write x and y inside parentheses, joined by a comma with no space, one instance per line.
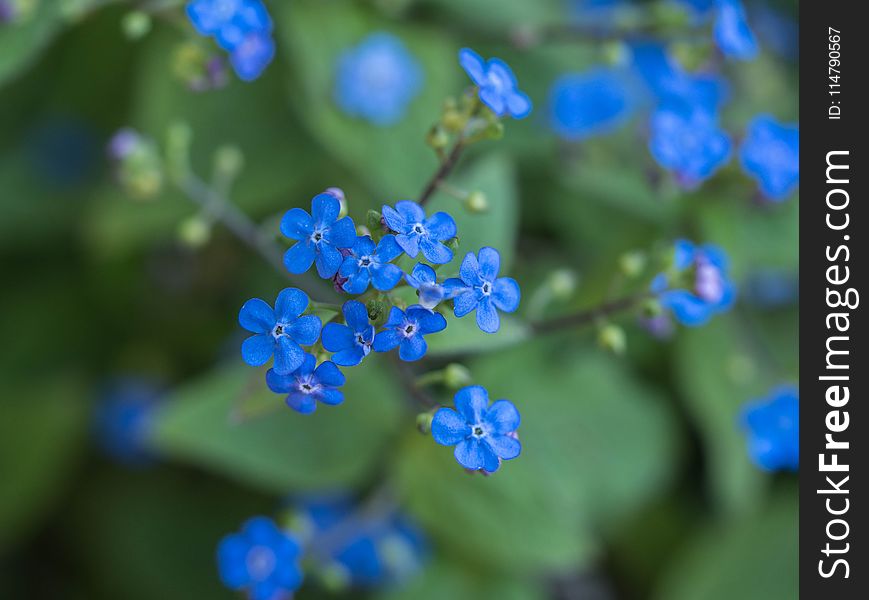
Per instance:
(280,384)
(470,270)
(358,282)
(454,287)
(260,531)
(683,254)
(393,219)
(331,397)
(342,234)
(329,374)
(349,267)
(410,211)
(256,316)
(264,590)
(429,321)
(408,243)
(687,308)
(487,317)
(494,100)
(435,252)
(356,315)
(396,317)
(386,340)
(288,355)
(441,226)
(503,446)
(257,349)
(252,55)
(470,454)
(363,245)
(412,348)
(231,553)
(349,357)
(448,428)
(325,208)
(305,330)
(289,575)
(388,249)
(491,462)
(309,362)
(505,294)
(502,417)
(464,303)
(328,260)
(489,261)
(519,105)
(471,402)
(302,403)
(299,258)
(290,304)
(297,224)
(385,277)
(337,337)
(473,65)
(421,273)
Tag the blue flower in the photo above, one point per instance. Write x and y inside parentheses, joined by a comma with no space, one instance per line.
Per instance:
(731,31)
(368,263)
(406,330)
(321,234)
(377,79)
(698,6)
(691,144)
(415,232)
(308,385)
(371,551)
(278,332)
(670,85)
(712,291)
(241,27)
(498,86)
(772,425)
(483,435)
(351,342)
(261,559)
(479,288)
(587,104)
(123,420)
(424,280)
(771,154)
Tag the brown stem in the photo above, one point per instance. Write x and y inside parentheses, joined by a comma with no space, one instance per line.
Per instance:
(443,172)
(584,317)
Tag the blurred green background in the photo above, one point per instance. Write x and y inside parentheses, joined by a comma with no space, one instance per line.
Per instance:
(634,480)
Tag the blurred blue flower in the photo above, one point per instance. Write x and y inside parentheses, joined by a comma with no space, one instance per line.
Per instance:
(372,551)
(415,232)
(479,288)
(670,85)
(351,342)
(711,291)
(261,559)
(368,263)
(123,418)
(731,31)
(320,236)
(308,385)
(279,332)
(689,143)
(779,31)
(771,154)
(424,280)
(241,27)
(772,288)
(407,330)
(586,104)
(772,426)
(377,79)
(483,435)
(700,7)
(497,83)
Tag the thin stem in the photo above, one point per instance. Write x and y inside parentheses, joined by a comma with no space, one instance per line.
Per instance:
(443,171)
(585,317)
(409,381)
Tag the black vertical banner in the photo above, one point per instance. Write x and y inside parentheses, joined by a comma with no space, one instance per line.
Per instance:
(834,422)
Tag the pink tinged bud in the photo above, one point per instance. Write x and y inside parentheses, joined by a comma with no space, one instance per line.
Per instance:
(708,284)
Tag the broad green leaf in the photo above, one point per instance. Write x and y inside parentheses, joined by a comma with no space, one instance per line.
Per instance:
(394,161)
(719,369)
(444,578)
(283,450)
(22,42)
(597,444)
(753,559)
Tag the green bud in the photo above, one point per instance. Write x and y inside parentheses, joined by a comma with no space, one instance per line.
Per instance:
(378,310)
(476,202)
(612,338)
(362,230)
(651,308)
(136,24)
(563,283)
(453,121)
(194,231)
(228,161)
(334,577)
(374,220)
(456,376)
(423,422)
(437,138)
(632,264)
(452,244)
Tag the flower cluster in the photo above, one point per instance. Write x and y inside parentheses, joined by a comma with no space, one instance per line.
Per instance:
(243,28)
(772,426)
(708,290)
(497,85)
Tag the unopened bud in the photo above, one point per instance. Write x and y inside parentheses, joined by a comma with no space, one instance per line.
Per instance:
(423,422)
(228,161)
(452,244)
(612,338)
(136,25)
(456,376)
(632,264)
(194,232)
(437,138)
(562,282)
(374,220)
(476,202)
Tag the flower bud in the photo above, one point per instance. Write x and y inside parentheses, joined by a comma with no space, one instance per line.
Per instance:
(228,161)
(632,264)
(476,202)
(423,422)
(562,282)
(374,220)
(437,138)
(136,24)
(456,376)
(612,338)
(194,231)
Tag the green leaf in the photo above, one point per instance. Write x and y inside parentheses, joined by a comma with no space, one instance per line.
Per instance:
(41,429)
(597,444)
(452,579)
(394,161)
(495,176)
(463,336)
(335,446)
(755,559)
(23,42)
(719,369)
